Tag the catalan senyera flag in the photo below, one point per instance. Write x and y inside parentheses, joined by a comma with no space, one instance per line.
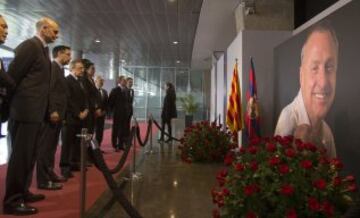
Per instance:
(252,118)
(234,113)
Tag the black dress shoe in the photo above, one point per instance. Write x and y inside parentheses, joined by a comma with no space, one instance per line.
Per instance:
(50,186)
(58,179)
(19,209)
(55,178)
(30,197)
(67,175)
(75,168)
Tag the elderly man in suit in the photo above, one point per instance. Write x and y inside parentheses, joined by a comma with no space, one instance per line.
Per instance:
(119,105)
(100,118)
(76,112)
(46,177)
(31,71)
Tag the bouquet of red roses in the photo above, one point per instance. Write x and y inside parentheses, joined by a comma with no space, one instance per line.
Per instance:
(282,177)
(205,142)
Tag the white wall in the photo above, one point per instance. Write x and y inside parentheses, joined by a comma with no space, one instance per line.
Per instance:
(213,95)
(220,92)
(262,51)
(259,45)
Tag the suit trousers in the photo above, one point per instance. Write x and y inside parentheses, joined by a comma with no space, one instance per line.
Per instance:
(70,150)
(119,131)
(25,137)
(99,129)
(46,156)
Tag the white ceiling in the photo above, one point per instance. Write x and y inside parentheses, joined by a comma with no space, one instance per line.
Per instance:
(216,30)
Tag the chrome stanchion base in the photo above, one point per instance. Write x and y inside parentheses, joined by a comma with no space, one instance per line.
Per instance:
(152,151)
(135,176)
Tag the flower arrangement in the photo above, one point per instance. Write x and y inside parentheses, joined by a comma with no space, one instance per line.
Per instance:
(282,177)
(205,142)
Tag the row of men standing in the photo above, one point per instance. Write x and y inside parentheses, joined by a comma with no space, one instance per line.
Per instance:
(42,103)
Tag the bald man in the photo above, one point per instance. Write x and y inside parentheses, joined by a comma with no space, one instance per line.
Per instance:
(31,70)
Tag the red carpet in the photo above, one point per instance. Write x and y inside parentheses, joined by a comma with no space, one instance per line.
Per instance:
(65,203)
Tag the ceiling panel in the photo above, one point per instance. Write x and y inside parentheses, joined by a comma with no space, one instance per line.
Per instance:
(139,31)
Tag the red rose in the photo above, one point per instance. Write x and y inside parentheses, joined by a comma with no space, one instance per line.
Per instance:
(252,149)
(319,184)
(225,192)
(306,164)
(271,147)
(324,160)
(336,163)
(255,141)
(228,159)
(274,161)
(287,190)
(239,167)
(291,214)
(337,181)
(250,189)
(283,169)
(313,204)
(220,203)
(300,146)
(311,147)
(290,152)
(251,214)
(352,187)
(327,209)
(216,213)
(242,150)
(253,165)
(349,178)
(286,141)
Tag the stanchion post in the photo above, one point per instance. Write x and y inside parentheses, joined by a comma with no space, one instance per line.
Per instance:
(83,171)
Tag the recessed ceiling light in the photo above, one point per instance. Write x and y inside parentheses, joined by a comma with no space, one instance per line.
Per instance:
(175,42)
(123,60)
(97,40)
(178,61)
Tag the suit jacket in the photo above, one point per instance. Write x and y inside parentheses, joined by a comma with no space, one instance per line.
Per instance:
(131,101)
(7,85)
(77,101)
(118,103)
(103,99)
(5,80)
(31,71)
(58,90)
(92,93)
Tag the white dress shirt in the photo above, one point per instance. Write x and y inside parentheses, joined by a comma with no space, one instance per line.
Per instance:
(293,115)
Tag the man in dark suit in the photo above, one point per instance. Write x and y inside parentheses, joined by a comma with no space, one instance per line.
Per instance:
(129,85)
(7,84)
(118,103)
(92,94)
(76,112)
(46,177)
(100,118)
(31,70)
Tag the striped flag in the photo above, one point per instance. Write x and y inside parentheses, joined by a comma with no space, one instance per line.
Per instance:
(252,119)
(233,115)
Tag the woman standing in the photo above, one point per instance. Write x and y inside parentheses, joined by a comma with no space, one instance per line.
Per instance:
(168,110)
